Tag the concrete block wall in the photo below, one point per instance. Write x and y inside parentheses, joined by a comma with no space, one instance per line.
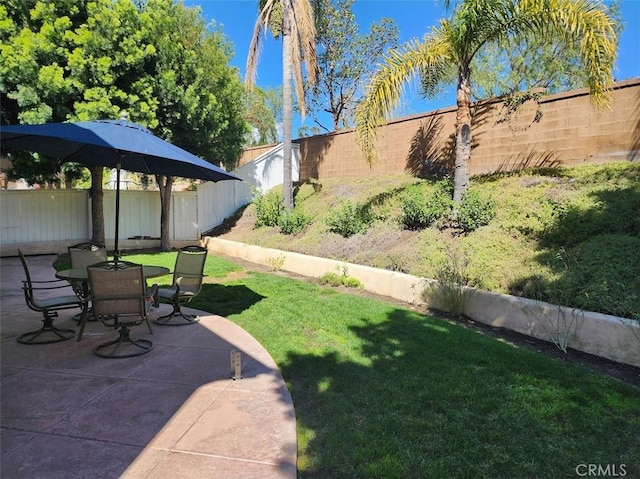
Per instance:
(603,335)
(570,132)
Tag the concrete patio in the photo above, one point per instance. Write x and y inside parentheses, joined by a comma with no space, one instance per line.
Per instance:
(172,413)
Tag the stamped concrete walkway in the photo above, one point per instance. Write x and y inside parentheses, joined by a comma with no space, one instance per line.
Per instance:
(172,413)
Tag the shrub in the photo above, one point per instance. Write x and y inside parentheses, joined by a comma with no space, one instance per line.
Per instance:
(474,211)
(348,219)
(269,207)
(351,282)
(452,291)
(293,221)
(419,211)
(334,279)
(276,262)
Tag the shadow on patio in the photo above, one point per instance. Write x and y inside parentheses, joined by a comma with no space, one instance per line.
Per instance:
(174,412)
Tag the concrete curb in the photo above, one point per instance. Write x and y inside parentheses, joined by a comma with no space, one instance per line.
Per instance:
(603,335)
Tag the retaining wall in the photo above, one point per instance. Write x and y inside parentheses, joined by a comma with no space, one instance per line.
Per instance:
(595,333)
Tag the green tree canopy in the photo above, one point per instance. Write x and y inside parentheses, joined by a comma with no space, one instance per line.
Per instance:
(346,60)
(76,60)
(200,97)
(261,117)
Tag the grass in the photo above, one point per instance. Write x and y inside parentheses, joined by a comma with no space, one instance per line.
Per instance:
(382,391)
(569,236)
(212,269)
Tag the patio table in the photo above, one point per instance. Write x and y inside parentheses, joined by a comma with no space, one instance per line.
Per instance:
(82,275)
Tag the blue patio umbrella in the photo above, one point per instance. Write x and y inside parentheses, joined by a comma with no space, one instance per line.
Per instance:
(110,143)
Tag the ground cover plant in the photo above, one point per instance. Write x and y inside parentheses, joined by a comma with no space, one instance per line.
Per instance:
(570,236)
(382,390)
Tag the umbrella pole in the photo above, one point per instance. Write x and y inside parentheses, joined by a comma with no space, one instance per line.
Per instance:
(116,252)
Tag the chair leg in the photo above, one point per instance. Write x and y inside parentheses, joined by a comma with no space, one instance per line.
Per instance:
(84,317)
(146,320)
(59,334)
(112,349)
(177,313)
(90,316)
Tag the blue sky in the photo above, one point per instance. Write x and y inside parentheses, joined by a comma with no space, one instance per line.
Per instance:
(413,18)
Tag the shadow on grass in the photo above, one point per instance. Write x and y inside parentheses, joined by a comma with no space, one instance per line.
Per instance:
(420,397)
(225,299)
(383,391)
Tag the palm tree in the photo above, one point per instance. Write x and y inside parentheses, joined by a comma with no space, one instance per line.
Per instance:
(452,46)
(298,44)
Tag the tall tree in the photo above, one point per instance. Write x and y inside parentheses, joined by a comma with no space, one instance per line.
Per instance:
(293,20)
(200,105)
(346,60)
(260,117)
(453,45)
(108,65)
(71,60)
(78,60)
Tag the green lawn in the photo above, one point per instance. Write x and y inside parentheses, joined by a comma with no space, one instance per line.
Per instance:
(382,391)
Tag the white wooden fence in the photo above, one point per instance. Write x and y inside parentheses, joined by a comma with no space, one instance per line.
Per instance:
(47,221)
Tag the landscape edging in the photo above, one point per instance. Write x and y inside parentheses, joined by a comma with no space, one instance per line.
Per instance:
(603,335)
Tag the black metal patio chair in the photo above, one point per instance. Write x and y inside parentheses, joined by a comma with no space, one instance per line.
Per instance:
(187,284)
(46,297)
(121,300)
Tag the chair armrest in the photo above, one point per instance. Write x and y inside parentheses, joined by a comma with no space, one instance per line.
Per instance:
(152,295)
(46,285)
(187,275)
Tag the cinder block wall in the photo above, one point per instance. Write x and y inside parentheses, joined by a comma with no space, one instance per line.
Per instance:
(250,154)
(569,132)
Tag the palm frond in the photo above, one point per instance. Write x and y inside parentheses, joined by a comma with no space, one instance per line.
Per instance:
(588,23)
(255,47)
(585,23)
(433,55)
(303,46)
(305,24)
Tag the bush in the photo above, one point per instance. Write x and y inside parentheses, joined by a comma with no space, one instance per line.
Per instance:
(452,291)
(420,212)
(348,219)
(335,280)
(474,211)
(332,279)
(269,207)
(293,221)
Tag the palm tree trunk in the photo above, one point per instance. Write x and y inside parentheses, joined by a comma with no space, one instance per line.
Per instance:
(463,134)
(287,107)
